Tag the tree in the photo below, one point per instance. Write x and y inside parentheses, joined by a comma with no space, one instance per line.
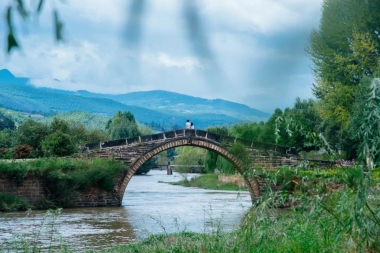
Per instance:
(22,151)
(32,133)
(301,124)
(210,161)
(144,130)
(344,49)
(58,144)
(190,156)
(60,125)
(35,8)
(122,125)
(146,167)
(268,132)
(248,131)
(96,135)
(365,124)
(7,138)
(6,123)
(171,153)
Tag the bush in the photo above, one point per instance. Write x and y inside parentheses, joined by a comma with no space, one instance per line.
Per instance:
(64,179)
(22,151)
(6,153)
(9,202)
(58,144)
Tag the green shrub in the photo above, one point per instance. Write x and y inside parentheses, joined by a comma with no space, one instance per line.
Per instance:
(64,179)
(10,202)
(15,170)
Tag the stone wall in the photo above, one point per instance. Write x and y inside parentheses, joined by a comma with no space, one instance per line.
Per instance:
(270,159)
(97,197)
(239,181)
(231,179)
(32,190)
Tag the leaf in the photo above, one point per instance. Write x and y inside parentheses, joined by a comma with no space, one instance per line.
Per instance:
(8,16)
(40,4)
(58,25)
(21,9)
(11,40)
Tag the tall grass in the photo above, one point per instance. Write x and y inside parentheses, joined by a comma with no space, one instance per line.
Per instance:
(9,202)
(346,220)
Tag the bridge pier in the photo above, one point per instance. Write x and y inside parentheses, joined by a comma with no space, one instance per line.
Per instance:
(169,170)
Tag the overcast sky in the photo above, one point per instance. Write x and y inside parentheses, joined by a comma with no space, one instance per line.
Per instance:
(246,51)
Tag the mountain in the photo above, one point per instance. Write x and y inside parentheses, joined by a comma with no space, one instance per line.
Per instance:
(179,104)
(7,77)
(163,107)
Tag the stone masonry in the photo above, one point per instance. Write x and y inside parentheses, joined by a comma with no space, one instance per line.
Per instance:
(137,150)
(32,190)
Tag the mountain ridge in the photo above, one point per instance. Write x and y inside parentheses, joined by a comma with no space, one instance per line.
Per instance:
(161,106)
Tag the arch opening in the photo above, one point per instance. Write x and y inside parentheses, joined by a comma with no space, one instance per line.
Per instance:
(251,182)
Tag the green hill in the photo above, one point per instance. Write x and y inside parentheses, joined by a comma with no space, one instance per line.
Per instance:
(179,104)
(162,107)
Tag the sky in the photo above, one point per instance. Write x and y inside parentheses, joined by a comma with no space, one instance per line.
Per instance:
(246,51)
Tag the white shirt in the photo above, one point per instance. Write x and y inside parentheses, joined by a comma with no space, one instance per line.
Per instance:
(188,124)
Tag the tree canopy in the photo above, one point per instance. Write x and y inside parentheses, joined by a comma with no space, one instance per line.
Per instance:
(122,125)
(344,49)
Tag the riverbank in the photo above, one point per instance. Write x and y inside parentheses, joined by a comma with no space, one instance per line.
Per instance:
(148,207)
(324,220)
(344,221)
(58,182)
(210,182)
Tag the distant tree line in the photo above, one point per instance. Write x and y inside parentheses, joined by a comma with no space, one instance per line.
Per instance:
(158,127)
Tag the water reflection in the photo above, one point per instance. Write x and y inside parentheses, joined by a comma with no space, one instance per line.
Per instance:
(159,207)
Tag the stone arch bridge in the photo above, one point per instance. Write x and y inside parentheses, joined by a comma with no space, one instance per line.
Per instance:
(135,151)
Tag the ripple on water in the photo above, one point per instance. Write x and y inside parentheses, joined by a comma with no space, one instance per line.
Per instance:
(148,207)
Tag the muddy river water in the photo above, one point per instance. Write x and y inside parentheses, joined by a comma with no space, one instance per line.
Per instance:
(149,206)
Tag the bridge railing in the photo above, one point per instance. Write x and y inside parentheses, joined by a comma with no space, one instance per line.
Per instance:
(218,138)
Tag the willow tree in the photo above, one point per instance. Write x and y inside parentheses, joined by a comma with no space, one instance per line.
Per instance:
(344,49)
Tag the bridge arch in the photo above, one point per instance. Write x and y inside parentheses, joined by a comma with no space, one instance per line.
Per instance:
(208,144)
(135,151)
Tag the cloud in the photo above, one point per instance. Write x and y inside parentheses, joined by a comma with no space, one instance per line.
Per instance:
(257,47)
(266,17)
(163,59)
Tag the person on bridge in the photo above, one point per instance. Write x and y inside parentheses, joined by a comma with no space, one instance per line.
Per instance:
(191,125)
(188,124)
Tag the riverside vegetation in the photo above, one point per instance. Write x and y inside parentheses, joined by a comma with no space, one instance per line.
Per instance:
(62,178)
(321,219)
(334,210)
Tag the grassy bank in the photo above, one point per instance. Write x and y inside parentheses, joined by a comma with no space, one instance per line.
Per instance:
(62,179)
(346,220)
(208,181)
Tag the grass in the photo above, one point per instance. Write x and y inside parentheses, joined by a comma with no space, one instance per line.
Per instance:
(208,181)
(347,220)
(9,202)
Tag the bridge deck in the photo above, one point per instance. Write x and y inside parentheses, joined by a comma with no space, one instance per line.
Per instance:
(189,133)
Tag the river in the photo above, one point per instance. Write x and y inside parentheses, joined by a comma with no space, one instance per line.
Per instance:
(149,206)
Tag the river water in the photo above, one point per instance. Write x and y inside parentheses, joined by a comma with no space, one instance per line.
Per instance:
(149,206)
